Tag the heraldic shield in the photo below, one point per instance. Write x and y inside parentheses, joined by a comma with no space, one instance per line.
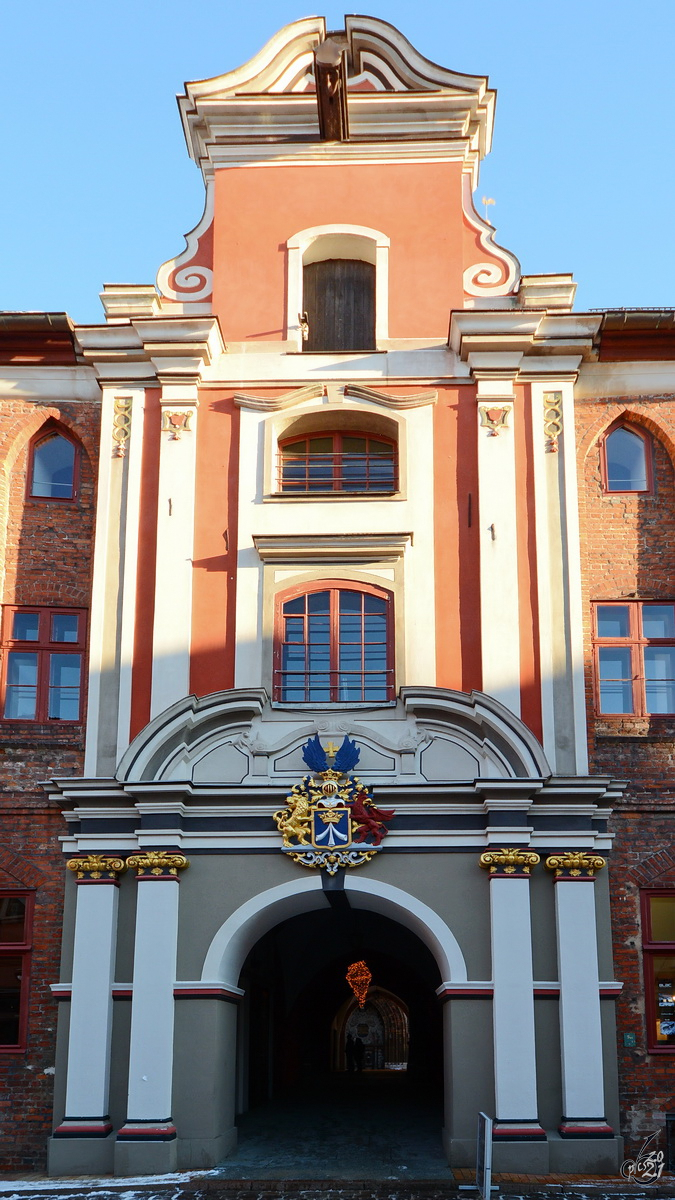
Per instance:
(330,820)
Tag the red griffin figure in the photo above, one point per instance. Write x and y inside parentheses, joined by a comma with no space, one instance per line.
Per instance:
(370,820)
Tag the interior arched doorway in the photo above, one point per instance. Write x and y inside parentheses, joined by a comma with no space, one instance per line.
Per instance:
(381,1024)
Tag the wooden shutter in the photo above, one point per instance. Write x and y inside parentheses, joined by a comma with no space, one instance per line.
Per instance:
(339,299)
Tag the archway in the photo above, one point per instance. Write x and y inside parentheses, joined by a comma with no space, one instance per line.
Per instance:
(295,1012)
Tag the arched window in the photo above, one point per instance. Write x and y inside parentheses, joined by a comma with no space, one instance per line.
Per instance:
(334,645)
(626,460)
(339,304)
(53,471)
(341,461)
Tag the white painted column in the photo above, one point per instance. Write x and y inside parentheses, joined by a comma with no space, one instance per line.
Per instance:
(175,541)
(500,630)
(580,1026)
(152,1007)
(88,1079)
(516,1115)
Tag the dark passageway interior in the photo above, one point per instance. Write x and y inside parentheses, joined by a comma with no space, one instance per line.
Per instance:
(304,1112)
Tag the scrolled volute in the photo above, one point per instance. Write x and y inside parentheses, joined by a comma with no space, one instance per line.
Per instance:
(510,860)
(97,866)
(575,863)
(157,863)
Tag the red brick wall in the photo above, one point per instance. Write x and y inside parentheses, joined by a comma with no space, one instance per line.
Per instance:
(628,551)
(46,551)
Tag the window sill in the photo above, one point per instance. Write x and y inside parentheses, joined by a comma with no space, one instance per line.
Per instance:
(332,353)
(320,497)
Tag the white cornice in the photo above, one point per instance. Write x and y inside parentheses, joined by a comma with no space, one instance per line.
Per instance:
(525,343)
(290,549)
(182,345)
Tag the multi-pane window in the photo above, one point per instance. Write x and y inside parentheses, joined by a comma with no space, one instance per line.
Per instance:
(42,669)
(53,467)
(658,943)
(338,462)
(334,645)
(635,658)
(626,461)
(15,948)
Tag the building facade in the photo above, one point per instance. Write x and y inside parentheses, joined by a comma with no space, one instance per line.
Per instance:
(340,528)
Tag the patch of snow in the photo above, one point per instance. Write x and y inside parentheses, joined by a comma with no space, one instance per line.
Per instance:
(14,1188)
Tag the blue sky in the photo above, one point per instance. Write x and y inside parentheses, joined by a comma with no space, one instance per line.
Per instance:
(98,186)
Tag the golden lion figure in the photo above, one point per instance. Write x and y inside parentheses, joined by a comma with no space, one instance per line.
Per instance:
(296,820)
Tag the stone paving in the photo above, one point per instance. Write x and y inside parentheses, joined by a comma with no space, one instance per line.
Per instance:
(363,1137)
(371,1126)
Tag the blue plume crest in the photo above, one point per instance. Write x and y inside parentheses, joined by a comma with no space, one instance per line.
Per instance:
(315,755)
(347,756)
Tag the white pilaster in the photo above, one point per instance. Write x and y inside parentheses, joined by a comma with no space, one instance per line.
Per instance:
(580,1028)
(573,564)
(88,1079)
(558,576)
(130,565)
(152,1007)
(113,602)
(97,653)
(500,630)
(175,540)
(513,1001)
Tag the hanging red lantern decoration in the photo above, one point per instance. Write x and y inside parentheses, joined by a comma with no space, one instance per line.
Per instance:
(358,977)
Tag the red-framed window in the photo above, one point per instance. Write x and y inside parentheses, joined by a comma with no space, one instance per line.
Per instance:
(16,925)
(43,658)
(634,657)
(53,464)
(626,459)
(658,946)
(347,461)
(334,644)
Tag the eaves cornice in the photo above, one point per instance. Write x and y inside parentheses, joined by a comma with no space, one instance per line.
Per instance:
(145,349)
(524,344)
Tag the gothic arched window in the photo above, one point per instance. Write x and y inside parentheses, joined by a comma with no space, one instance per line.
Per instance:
(626,460)
(53,470)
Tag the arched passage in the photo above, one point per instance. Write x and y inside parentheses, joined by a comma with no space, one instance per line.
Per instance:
(286,953)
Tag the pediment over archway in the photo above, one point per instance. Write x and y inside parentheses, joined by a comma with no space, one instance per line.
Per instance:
(430,736)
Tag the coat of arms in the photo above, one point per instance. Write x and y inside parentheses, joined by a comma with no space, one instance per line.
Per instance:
(330,820)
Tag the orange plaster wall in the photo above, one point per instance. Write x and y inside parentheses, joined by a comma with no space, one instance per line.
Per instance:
(458,644)
(215,546)
(417,205)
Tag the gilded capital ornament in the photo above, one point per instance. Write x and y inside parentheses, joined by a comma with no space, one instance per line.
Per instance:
(97,866)
(157,864)
(575,864)
(509,861)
